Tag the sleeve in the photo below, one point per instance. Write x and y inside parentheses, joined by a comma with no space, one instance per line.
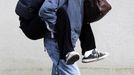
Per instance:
(47,13)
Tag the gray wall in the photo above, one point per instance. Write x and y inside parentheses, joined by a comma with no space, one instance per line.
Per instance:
(114,34)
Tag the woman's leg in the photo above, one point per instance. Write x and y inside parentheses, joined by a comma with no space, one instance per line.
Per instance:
(87,39)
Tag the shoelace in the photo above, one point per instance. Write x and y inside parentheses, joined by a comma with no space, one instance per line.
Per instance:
(96,53)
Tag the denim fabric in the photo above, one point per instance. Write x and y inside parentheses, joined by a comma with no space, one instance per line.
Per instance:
(74,9)
(52,49)
(75,14)
(48,11)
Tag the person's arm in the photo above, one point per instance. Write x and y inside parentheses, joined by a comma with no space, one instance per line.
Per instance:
(48,13)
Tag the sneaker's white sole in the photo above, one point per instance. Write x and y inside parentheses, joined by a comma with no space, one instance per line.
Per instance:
(95,59)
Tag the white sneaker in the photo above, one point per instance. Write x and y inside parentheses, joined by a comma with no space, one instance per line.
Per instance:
(95,56)
(72,57)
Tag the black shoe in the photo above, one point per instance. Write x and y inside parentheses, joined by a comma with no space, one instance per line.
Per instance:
(72,57)
(95,56)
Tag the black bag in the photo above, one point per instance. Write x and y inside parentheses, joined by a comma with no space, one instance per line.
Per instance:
(30,23)
(94,10)
(34,29)
(28,8)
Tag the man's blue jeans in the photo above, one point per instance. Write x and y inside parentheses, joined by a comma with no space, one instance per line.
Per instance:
(52,49)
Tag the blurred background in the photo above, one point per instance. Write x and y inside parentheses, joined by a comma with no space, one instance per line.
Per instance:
(114,34)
